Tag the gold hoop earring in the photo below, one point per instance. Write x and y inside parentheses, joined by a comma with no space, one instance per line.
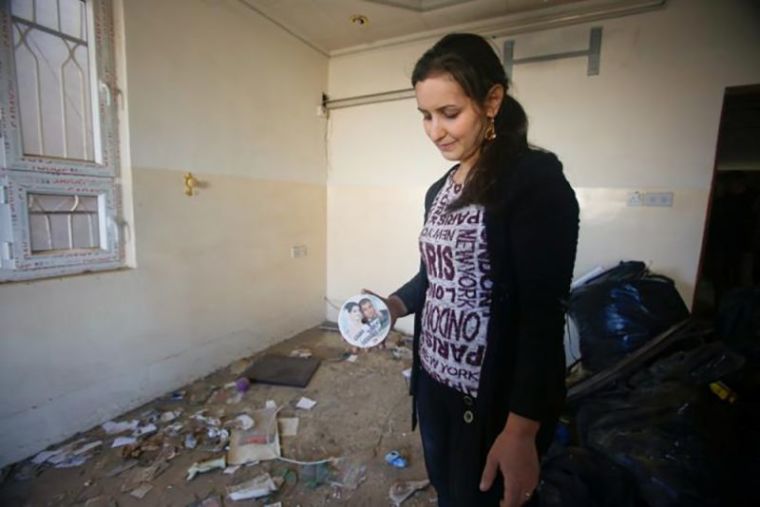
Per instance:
(490,130)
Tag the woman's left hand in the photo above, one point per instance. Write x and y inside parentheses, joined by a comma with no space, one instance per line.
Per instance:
(515,455)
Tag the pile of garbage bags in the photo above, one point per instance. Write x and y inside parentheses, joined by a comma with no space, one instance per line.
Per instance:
(679,429)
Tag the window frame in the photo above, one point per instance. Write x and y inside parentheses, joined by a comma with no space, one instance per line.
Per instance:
(22,174)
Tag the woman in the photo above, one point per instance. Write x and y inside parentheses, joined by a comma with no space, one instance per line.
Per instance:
(498,247)
(356,327)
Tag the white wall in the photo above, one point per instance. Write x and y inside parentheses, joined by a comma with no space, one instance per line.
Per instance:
(649,121)
(217,90)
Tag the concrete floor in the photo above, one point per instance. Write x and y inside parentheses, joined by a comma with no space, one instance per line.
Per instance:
(362,412)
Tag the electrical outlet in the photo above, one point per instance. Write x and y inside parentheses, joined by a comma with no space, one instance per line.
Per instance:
(659,199)
(650,199)
(299,251)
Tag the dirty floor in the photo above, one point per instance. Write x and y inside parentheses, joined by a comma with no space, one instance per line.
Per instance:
(362,413)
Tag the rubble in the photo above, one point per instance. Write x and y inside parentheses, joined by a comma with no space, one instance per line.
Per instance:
(258,487)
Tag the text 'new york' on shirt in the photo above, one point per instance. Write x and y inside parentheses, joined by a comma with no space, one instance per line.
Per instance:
(458,299)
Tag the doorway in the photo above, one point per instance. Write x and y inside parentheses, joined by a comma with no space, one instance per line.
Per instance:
(730,257)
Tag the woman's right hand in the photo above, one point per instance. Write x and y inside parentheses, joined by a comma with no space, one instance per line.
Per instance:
(396,307)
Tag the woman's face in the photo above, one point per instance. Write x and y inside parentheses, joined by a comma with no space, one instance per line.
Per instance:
(452,120)
(355,314)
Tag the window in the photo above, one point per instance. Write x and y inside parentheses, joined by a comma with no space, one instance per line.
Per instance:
(59,162)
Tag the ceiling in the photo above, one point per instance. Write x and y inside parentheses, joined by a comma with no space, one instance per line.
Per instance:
(326,24)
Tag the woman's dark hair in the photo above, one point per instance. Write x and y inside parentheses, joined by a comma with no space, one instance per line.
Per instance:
(350,306)
(473,64)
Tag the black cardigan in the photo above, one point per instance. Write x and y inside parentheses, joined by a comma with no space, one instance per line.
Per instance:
(532,237)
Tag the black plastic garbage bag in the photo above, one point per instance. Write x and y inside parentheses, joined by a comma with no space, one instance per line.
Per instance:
(620,310)
(577,477)
(699,366)
(666,437)
(739,315)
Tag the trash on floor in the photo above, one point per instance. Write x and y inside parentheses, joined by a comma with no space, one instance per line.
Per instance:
(141,490)
(241,384)
(209,501)
(240,422)
(303,353)
(348,473)
(70,455)
(401,352)
(230,470)
(394,459)
(201,467)
(315,475)
(145,430)
(288,426)
(169,416)
(306,403)
(147,474)
(122,441)
(190,441)
(113,428)
(258,487)
(401,491)
(121,468)
(262,442)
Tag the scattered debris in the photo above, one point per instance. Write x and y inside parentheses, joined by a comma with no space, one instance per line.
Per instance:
(234,399)
(242,384)
(101,501)
(278,504)
(145,430)
(400,491)
(230,470)
(262,442)
(141,490)
(400,352)
(305,403)
(270,404)
(147,474)
(288,426)
(349,474)
(395,459)
(122,441)
(407,375)
(258,487)
(173,429)
(205,466)
(119,469)
(114,428)
(241,422)
(169,416)
(316,475)
(304,353)
(177,395)
(352,358)
(210,501)
(190,441)
(70,455)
